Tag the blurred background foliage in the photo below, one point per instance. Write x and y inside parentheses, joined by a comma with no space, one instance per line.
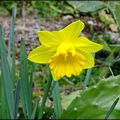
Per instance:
(47,8)
(107,61)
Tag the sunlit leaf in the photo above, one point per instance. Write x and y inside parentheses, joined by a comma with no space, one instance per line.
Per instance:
(94,102)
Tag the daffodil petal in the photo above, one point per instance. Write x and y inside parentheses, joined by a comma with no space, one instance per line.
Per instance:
(73,30)
(41,55)
(48,39)
(86,45)
(89,60)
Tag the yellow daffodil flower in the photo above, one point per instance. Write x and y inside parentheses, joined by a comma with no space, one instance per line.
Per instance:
(65,50)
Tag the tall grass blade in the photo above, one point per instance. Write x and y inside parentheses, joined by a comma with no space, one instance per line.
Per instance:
(11,46)
(3,107)
(87,77)
(4,112)
(35,109)
(56,99)
(111,108)
(31,79)
(17,96)
(24,82)
(0,94)
(47,87)
(7,81)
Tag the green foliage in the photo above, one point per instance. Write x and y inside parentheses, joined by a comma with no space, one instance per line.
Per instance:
(56,99)
(46,8)
(52,9)
(35,109)
(8,5)
(9,102)
(114,7)
(26,95)
(112,108)
(67,99)
(105,18)
(48,85)
(17,96)
(11,45)
(6,79)
(87,6)
(93,6)
(95,102)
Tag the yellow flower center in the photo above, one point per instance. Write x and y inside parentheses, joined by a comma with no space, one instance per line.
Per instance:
(66,61)
(66,49)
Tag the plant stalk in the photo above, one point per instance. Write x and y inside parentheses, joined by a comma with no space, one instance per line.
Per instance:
(56,99)
(42,108)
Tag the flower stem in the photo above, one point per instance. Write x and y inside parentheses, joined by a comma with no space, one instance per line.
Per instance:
(42,108)
(56,99)
(87,76)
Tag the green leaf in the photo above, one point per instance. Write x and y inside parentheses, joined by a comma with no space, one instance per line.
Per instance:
(67,99)
(6,76)
(26,97)
(31,78)
(117,14)
(87,6)
(17,96)
(35,109)
(112,108)
(105,45)
(47,87)
(105,18)
(4,113)
(11,45)
(114,7)
(56,99)
(95,102)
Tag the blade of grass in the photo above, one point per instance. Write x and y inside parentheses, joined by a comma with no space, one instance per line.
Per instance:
(2,37)
(31,79)
(4,107)
(87,77)
(35,109)
(0,91)
(17,95)
(24,82)
(31,74)
(56,99)
(9,51)
(111,109)
(48,85)
(68,81)
(11,44)
(0,94)
(7,81)
(23,103)
(4,113)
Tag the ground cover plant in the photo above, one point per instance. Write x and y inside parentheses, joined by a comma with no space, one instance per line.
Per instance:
(59,60)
